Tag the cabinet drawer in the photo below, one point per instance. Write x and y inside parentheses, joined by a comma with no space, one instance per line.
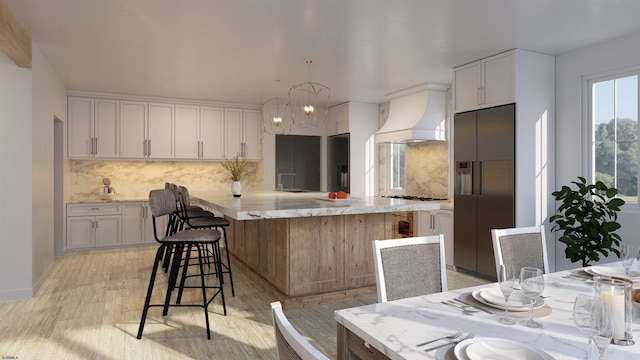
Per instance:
(93,209)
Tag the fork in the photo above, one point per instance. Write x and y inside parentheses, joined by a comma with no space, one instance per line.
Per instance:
(456,342)
(452,336)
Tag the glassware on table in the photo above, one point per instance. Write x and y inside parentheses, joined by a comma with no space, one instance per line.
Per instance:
(602,339)
(532,285)
(507,281)
(626,257)
(589,316)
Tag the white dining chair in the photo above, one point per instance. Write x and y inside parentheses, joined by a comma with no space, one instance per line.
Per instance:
(409,267)
(289,343)
(520,247)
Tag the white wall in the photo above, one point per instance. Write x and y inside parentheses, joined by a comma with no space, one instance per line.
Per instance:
(49,100)
(15,181)
(571,122)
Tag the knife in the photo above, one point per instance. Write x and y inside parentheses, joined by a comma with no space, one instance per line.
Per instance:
(472,305)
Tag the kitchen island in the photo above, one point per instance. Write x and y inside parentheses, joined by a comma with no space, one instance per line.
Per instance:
(304,248)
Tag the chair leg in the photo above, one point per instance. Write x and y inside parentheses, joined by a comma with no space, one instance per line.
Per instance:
(228,266)
(185,269)
(145,309)
(205,302)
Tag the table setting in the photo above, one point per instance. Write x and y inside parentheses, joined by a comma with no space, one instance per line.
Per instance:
(539,321)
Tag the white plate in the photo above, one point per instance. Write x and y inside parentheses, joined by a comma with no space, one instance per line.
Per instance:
(347,200)
(612,271)
(493,348)
(538,304)
(494,295)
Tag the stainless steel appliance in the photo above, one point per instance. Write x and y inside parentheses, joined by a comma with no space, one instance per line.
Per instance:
(484,153)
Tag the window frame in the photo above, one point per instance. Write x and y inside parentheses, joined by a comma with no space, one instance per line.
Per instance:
(589,160)
(389,170)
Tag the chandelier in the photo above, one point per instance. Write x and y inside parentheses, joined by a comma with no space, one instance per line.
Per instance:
(303,102)
(274,113)
(299,110)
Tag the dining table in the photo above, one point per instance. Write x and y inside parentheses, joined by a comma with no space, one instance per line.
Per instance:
(399,329)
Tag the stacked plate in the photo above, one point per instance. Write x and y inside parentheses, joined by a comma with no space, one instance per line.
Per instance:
(612,272)
(517,301)
(497,349)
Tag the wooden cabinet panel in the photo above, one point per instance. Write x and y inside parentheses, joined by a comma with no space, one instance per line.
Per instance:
(187,132)
(80,128)
(106,128)
(316,254)
(107,230)
(160,131)
(212,134)
(133,134)
(360,231)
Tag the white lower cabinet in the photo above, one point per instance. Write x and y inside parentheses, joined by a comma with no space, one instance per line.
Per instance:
(439,222)
(93,225)
(112,224)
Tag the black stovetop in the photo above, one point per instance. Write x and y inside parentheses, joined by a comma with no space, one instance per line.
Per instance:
(418,198)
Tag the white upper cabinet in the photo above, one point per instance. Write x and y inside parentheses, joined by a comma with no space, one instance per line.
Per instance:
(338,121)
(212,133)
(127,128)
(133,129)
(485,83)
(160,131)
(93,128)
(187,132)
(243,133)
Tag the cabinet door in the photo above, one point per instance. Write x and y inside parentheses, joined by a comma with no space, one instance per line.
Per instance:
(445,227)
(186,132)
(468,87)
(80,128)
(133,223)
(428,223)
(251,140)
(233,129)
(106,128)
(211,133)
(133,119)
(80,231)
(499,84)
(160,131)
(107,230)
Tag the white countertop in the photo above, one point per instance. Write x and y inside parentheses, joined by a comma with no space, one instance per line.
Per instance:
(275,204)
(396,327)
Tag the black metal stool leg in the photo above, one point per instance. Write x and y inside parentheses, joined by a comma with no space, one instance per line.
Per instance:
(204,292)
(156,262)
(226,250)
(173,276)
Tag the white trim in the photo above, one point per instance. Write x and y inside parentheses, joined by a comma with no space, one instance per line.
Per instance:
(299,344)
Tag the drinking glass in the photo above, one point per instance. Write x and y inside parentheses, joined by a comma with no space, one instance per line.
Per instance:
(587,315)
(603,338)
(532,285)
(626,256)
(507,281)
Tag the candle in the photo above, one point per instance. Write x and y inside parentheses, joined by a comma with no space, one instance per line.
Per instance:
(615,303)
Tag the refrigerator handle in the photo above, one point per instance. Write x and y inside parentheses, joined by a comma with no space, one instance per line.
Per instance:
(477,177)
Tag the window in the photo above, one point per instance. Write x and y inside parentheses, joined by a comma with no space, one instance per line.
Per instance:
(396,168)
(614,119)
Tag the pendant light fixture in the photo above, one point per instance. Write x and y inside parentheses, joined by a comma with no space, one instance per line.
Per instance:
(303,102)
(274,115)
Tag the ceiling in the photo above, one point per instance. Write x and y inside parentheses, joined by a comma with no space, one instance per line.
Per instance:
(234,50)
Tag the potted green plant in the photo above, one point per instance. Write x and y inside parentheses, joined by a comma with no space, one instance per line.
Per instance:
(587,220)
(237,169)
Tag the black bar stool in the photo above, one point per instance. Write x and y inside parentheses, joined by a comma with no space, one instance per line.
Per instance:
(163,202)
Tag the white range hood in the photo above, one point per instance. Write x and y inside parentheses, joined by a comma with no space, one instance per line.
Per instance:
(417,114)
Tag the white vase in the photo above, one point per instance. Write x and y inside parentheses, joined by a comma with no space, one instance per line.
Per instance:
(236,188)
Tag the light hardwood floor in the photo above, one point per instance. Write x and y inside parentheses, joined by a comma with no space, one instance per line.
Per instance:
(90,308)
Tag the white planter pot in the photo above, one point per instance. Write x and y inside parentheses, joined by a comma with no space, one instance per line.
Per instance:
(236,188)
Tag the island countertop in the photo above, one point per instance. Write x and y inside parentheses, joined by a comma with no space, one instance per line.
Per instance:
(275,204)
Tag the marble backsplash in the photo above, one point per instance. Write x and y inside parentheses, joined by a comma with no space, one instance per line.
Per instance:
(427,169)
(134,179)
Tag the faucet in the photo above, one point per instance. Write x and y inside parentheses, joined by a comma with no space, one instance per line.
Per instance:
(280,175)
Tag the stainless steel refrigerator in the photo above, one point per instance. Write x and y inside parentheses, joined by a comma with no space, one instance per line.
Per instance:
(484,153)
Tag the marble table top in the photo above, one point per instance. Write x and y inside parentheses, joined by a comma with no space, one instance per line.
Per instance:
(395,327)
(275,204)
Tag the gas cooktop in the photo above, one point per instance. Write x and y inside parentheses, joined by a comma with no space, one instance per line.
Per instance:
(419,198)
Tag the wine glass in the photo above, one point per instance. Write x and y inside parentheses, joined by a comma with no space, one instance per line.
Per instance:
(587,310)
(626,256)
(532,284)
(507,282)
(603,338)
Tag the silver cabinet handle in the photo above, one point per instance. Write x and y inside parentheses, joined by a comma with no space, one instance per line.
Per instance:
(95,148)
(480,96)
(149,147)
